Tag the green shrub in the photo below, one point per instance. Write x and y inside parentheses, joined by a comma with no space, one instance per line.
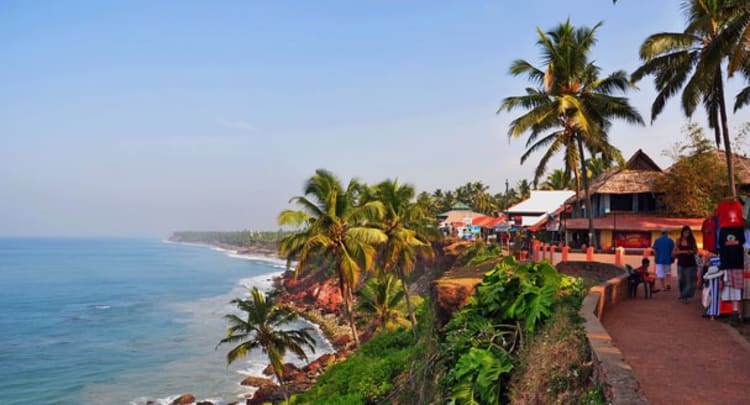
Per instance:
(368,375)
(481,338)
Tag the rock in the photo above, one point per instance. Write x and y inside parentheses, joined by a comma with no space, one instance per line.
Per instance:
(321,362)
(264,395)
(184,399)
(290,371)
(204,403)
(268,370)
(150,402)
(259,382)
(342,340)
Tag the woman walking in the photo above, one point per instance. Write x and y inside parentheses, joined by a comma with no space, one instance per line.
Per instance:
(684,250)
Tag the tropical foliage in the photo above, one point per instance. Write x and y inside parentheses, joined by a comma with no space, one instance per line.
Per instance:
(261,327)
(696,183)
(483,336)
(409,230)
(381,300)
(237,238)
(716,34)
(570,108)
(367,376)
(333,225)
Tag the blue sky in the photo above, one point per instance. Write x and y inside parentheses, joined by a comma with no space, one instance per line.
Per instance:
(142,117)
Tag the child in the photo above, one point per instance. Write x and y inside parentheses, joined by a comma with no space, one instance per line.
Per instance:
(647,277)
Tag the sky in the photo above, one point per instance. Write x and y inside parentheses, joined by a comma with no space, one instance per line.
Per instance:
(138,118)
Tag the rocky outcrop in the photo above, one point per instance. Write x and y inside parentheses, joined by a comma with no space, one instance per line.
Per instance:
(184,399)
(204,403)
(451,294)
(258,382)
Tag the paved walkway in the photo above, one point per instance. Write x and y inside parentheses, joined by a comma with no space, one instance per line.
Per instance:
(678,356)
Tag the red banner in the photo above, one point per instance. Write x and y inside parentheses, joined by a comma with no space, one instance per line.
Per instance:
(635,240)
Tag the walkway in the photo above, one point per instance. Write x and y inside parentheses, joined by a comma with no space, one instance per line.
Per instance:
(678,356)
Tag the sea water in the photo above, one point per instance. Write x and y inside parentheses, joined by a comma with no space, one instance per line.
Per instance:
(123,321)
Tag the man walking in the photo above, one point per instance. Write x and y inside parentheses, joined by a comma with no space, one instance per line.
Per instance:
(663,247)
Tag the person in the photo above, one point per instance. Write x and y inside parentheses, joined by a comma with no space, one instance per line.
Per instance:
(663,247)
(687,268)
(647,277)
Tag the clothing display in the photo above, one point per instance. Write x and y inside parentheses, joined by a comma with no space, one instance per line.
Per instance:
(709,229)
(731,252)
(730,214)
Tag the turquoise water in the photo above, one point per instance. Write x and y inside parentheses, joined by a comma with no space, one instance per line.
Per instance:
(120,321)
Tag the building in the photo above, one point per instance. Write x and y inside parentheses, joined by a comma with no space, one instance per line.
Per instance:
(541,211)
(626,210)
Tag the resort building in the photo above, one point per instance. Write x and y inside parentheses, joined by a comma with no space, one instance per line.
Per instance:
(625,203)
(541,211)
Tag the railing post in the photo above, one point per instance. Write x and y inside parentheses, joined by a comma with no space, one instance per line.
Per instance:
(619,255)
(590,254)
(535,251)
(552,254)
(565,251)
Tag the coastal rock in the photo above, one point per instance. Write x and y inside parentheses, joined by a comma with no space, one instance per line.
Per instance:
(184,399)
(342,340)
(268,370)
(259,382)
(264,395)
(452,294)
(290,371)
(319,363)
(204,403)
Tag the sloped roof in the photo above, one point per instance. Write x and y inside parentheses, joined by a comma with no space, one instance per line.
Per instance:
(541,201)
(639,175)
(642,162)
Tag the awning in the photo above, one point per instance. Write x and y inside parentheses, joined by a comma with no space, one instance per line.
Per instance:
(634,223)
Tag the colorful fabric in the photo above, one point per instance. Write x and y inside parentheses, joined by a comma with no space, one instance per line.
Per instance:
(731,252)
(730,214)
(735,278)
(714,307)
(708,229)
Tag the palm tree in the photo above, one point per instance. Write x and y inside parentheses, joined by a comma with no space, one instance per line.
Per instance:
(692,60)
(260,328)
(570,100)
(334,228)
(408,229)
(559,179)
(380,298)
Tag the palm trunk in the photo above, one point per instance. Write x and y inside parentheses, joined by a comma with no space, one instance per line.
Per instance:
(346,294)
(725,130)
(412,318)
(281,385)
(578,189)
(589,207)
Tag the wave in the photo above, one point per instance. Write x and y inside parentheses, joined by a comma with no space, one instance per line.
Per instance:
(270,260)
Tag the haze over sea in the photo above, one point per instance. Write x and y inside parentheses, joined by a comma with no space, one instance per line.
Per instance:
(121,321)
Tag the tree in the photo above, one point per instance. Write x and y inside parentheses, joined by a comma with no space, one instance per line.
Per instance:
(693,60)
(694,184)
(408,229)
(261,329)
(570,101)
(559,179)
(380,298)
(334,227)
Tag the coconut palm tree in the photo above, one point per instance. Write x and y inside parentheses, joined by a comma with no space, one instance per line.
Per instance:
(333,227)
(260,327)
(409,229)
(693,60)
(380,299)
(570,100)
(559,179)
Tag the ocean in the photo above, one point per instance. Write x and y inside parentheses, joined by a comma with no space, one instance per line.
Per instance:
(123,321)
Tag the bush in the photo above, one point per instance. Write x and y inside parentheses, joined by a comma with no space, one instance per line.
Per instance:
(368,375)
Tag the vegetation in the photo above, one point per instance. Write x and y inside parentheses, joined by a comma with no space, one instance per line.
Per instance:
(333,225)
(695,184)
(261,329)
(237,238)
(367,376)
(716,33)
(571,102)
(484,336)
(380,300)
(408,229)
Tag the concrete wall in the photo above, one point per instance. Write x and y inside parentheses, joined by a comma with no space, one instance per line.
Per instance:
(610,368)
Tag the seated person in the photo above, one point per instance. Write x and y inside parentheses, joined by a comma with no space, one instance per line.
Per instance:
(647,277)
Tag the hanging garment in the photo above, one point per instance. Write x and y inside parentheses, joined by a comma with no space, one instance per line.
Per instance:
(731,252)
(708,229)
(730,214)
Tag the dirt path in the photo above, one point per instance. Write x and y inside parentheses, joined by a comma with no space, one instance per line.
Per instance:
(678,356)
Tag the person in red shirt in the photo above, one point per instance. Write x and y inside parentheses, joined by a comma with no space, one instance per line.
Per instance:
(647,277)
